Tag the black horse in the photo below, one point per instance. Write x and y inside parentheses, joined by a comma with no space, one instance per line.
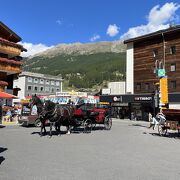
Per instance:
(56,114)
(40,111)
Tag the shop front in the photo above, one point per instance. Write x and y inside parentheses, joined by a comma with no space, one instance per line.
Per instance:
(128,106)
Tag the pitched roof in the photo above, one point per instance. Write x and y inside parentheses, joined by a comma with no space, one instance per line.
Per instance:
(8,33)
(154,34)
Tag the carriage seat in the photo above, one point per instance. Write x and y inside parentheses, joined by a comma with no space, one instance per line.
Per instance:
(92,114)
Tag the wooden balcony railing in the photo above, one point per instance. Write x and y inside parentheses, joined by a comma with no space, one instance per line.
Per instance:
(12,51)
(10,66)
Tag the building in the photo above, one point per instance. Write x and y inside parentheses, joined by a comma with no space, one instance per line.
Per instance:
(144,56)
(10,59)
(35,83)
(114,88)
(147,53)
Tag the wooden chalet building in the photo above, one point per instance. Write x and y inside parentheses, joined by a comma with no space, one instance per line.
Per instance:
(10,59)
(144,55)
(147,53)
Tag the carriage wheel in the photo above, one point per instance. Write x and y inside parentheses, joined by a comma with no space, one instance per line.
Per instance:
(37,122)
(162,130)
(87,126)
(93,125)
(107,123)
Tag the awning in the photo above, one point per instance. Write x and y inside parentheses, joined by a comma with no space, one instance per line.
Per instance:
(4,95)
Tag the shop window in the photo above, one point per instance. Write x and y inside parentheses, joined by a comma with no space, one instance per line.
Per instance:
(173,67)
(173,84)
(173,50)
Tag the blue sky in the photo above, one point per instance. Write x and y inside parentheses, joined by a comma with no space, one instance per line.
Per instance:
(45,23)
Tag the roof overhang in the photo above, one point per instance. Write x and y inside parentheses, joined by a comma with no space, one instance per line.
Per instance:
(8,33)
(170,30)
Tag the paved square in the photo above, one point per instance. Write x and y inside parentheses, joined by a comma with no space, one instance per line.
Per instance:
(129,151)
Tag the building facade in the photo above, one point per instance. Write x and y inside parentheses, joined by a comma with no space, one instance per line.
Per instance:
(10,59)
(39,84)
(146,54)
(114,88)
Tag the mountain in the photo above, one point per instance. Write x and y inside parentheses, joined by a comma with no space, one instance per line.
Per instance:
(81,65)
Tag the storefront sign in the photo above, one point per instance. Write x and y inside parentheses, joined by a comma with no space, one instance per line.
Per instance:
(115,98)
(143,98)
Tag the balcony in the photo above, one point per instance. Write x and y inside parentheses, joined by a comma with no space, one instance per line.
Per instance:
(10,48)
(10,66)
(11,51)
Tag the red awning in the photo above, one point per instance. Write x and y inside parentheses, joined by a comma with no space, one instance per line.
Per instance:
(4,95)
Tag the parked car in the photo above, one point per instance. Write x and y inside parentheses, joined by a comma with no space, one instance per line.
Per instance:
(29,116)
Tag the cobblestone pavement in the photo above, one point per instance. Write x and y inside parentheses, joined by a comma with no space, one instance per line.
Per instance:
(129,151)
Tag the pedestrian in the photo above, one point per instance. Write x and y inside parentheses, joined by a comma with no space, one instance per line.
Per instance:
(8,115)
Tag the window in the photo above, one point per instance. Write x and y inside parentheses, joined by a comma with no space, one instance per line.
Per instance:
(138,86)
(173,84)
(35,88)
(147,86)
(173,50)
(29,79)
(41,81)
(29,88)
(173,67)
(57,89)
(41,89)
(47,81)
(155,53)
(35,80)
(52,82)
(52,90)
(47,89)
(57,83)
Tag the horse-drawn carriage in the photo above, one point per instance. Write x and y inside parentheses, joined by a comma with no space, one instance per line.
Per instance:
(172,121)
(90,117)
(80,115)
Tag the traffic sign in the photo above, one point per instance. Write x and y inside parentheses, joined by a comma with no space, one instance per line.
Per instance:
(161,72)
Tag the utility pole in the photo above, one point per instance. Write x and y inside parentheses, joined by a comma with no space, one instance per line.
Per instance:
(163,81)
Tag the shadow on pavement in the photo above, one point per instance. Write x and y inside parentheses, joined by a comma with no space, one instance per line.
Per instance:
(1,126)
(76,130)
(174,135)
(96,128)
(1,157)
(138,125)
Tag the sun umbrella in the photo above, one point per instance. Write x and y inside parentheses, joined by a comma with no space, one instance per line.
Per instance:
(4,95)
